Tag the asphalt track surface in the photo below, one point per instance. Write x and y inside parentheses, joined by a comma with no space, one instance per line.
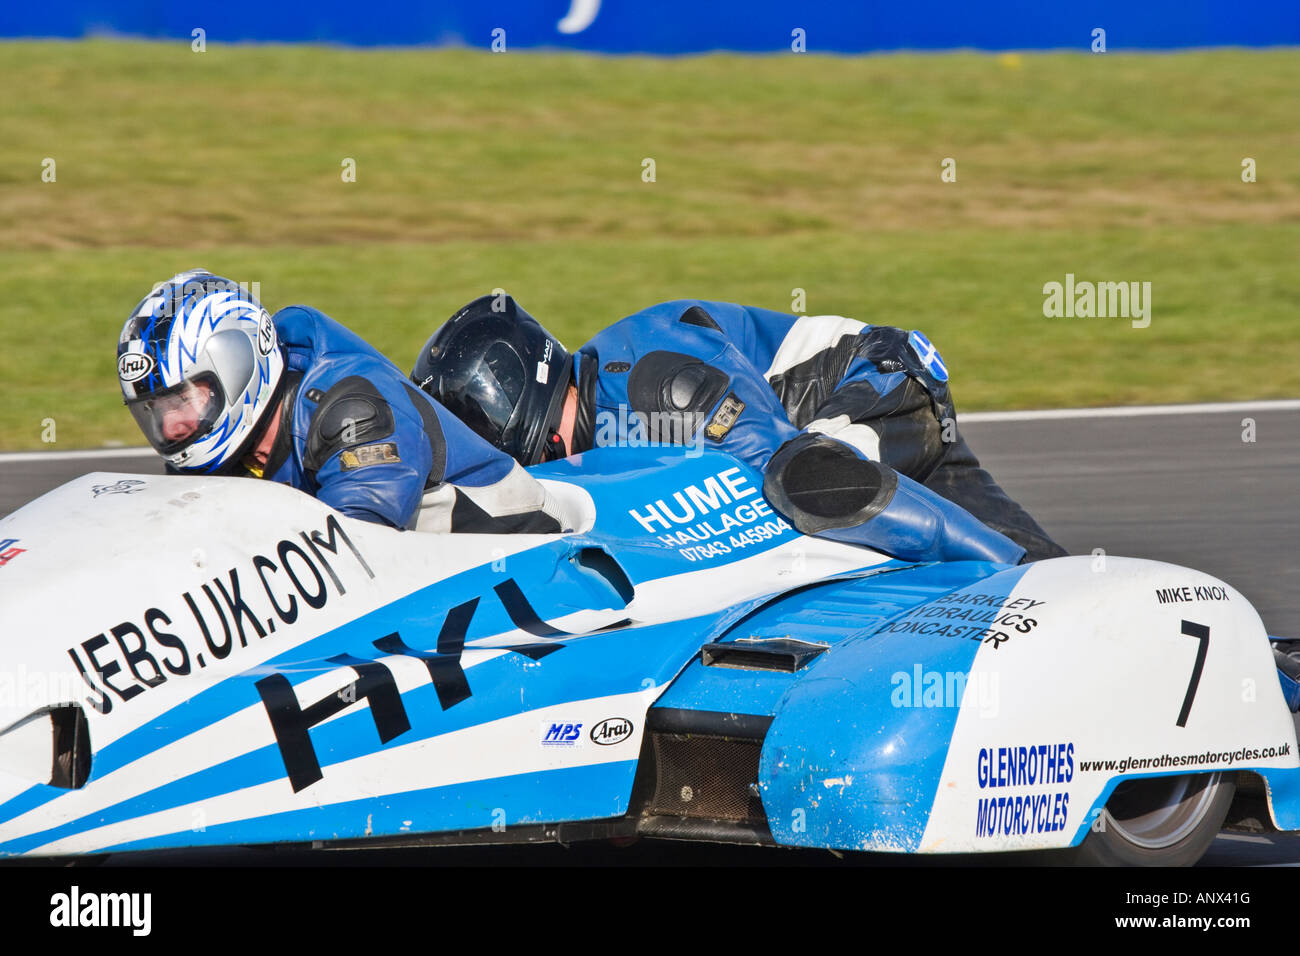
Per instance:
(1184,488)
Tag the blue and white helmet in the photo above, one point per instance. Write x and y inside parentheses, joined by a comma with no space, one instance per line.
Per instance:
(199,363)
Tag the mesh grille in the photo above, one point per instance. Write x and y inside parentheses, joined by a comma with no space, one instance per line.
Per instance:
(705,776)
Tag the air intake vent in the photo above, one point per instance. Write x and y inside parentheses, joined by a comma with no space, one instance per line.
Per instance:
(71,747)
(705,775)
(761,654)
(50,746)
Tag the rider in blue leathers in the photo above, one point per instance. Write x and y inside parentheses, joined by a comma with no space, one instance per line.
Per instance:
(219,386)
(355,434)
(852,425)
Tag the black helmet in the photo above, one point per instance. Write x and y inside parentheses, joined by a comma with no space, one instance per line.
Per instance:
(494,367)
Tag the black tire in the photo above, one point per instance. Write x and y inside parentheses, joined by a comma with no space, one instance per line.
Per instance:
(1159,821)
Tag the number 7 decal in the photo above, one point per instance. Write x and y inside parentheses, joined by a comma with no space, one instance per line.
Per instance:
(1202,633)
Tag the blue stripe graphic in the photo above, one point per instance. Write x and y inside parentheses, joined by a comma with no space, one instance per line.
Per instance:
(591,792)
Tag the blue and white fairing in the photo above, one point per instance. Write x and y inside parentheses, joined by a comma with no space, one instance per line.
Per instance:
(998,711)
(253,666)
(249,666)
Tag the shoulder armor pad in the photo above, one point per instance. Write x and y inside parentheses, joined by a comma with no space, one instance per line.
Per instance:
(678,385)
(351,413)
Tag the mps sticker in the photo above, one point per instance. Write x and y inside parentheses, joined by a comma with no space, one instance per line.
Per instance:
(561,733)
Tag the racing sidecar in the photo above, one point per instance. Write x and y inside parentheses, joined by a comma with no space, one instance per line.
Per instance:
(189,662)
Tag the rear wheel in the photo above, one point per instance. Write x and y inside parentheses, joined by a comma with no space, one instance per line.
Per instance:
(1159,821)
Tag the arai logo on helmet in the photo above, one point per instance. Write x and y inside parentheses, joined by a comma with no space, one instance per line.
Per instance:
(265,335)
(611,730)
(133,366)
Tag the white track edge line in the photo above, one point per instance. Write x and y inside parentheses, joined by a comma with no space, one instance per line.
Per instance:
(75,455)
(1131,411)
(1048,414)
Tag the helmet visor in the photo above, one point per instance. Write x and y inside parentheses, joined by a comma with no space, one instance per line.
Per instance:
(489,397)
(175,418)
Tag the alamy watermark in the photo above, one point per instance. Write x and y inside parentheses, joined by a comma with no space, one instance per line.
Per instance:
(200,282)
(21,689)
(1084,300)
(76,908)
(927,688)
(630,428)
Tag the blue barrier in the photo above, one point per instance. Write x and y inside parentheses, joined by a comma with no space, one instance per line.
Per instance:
(678,26)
